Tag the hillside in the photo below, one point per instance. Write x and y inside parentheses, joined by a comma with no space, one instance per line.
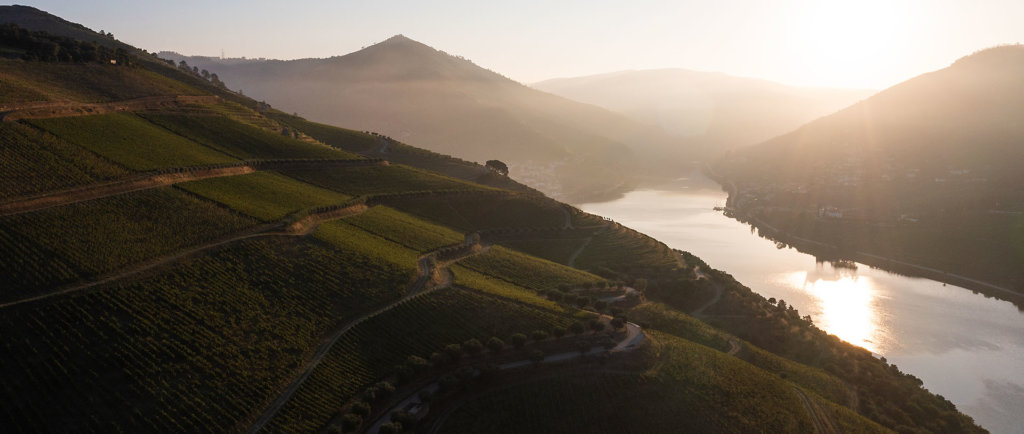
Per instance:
(409,91)
(933,163)
(178,258)
(712,110)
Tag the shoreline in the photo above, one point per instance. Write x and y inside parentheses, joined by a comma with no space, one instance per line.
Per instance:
(820,249)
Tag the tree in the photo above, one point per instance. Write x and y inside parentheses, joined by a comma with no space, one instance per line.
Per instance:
(439,359)
(618,323)
(497,166)
(454,351)
(558,332)
(538,335)
(518,340)
(350,422)
(495,345)
(390,428)
(417,363)
(596,325)
(360,408)
(600,305)
(472,347)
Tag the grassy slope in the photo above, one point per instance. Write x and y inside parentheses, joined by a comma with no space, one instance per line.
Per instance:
(240,140)
(381,179)
(404,229)
(694,389)
(194,347)
(35,81)
(89,238)
(527,271)
(265,195)
(131,141)
(33,162)
(370,351)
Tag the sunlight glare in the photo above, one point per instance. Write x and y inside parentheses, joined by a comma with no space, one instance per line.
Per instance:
(845,305)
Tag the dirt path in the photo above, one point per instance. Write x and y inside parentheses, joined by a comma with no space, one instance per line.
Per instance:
(434,275)
(145,182)
(734,347)
(718,292)
(576,254)
(822,423)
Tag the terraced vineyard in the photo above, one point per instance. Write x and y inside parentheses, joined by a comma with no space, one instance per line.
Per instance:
(611,248)
(373,249)
(528,271)
(469,212)
(33,162)
(240,140)
(480,282)
(381,179)
(131,141)
(194,348)
(85,239)
(404,229)
(557,250)
(695,389)
(420,326)
(265,195)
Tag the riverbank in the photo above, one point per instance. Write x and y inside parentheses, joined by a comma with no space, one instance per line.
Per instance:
(833,252)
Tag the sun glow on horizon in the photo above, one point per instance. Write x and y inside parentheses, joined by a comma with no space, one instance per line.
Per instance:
(850,41)
(845,305)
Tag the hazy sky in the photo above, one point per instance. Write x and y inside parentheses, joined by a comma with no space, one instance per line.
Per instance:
(856,43)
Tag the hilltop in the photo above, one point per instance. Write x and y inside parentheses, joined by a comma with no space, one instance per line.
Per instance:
(181,258)
(932,163)
(412,92)
(712,110)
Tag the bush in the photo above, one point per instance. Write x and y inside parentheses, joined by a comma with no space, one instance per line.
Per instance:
(351,422)
(538,335)
(361,409)
(472,346)
(518,340)
(495,345)
(558,332)
(390,428)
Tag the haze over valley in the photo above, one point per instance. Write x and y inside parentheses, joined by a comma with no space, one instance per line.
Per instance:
(664,217)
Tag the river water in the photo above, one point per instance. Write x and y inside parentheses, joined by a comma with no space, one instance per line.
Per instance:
(964,346)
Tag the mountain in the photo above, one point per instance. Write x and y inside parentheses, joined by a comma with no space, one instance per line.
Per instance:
(176,257)
(714,110)
(407,90)
(939,155)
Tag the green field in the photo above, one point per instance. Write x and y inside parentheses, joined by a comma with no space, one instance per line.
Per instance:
(424,325)
(481,282)
(373,248)
(129,140)
(83,82)
(380,180)
(693,389)
(527,271)
(265,195)
(241,140)
(404,229)
(33,162)
(663,318)
(617,249)
(198,347)
(53,246)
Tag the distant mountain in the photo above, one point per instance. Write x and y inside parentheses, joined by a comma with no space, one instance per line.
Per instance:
(940,155)
(714,109)
(414,93)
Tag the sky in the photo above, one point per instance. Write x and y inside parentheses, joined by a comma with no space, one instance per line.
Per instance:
(868,44)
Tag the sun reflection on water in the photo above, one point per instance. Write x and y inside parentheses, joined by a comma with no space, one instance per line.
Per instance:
(844,301)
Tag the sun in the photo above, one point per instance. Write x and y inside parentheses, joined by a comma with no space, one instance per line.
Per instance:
(844,41)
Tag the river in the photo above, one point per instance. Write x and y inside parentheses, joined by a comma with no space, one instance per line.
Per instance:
(964,346)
